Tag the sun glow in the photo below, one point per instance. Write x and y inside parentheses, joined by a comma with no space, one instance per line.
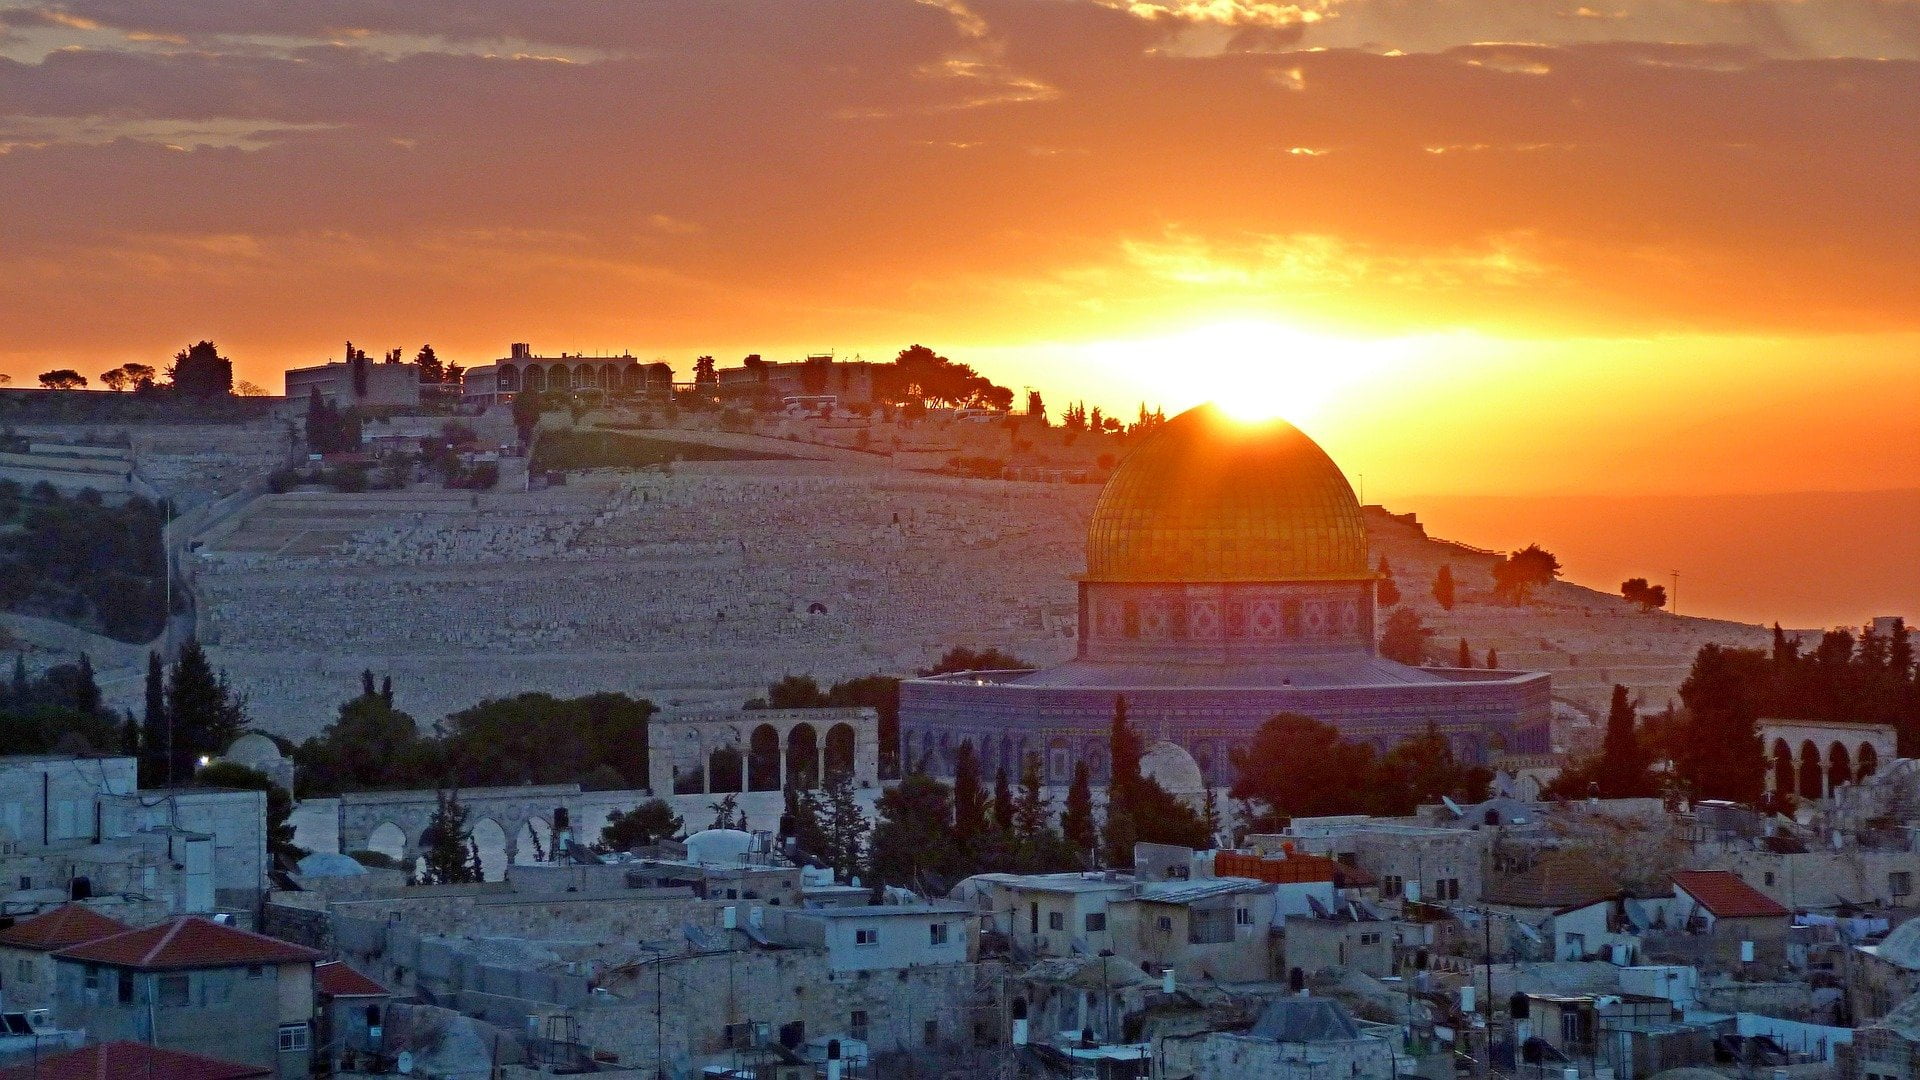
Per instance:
(1256,369)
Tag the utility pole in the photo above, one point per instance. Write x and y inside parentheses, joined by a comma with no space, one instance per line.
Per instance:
(1673,598)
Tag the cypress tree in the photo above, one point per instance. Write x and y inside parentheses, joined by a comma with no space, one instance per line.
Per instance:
(86,692)
(156,735)
(1493,659)
(205,715)
(1624,768)
(969,799)
(1466,655)
(1443,587)
(1077,820)
(1002,802)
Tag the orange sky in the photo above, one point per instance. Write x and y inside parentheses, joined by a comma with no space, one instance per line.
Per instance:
(1504,246)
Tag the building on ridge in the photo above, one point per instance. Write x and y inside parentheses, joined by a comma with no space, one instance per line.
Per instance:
(523,369)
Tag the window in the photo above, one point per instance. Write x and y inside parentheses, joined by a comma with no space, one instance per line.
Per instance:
(126,988)
(93,977)
(173,991)
(255,971)
(857,1024)
(1900,882)
(1164,924)
(937,933)
(1243,916)
(293,1038)
(1769,877)
(931,1032)
(1369,939)
(1447,888)
(1056,920)
(866,936)
(1391,885)
(26,971)
(1096,922)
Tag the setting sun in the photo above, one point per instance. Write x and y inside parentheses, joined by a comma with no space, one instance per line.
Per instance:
(1257,369)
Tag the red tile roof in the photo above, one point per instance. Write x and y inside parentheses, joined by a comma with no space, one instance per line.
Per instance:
(122,1060)
(188,942)
(68,924)
(335,979)
(1723,893)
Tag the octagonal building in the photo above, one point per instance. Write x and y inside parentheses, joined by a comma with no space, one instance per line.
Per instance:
(1228,580)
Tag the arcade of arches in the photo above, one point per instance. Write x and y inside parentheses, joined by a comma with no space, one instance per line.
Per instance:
(763,750)
(1811,759)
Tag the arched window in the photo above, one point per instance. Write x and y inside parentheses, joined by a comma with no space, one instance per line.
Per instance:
(1810,786)
(1867,762)
(726,768)
(1839,766)
(839,756)
(536,377)
(1782,767)
(803,758)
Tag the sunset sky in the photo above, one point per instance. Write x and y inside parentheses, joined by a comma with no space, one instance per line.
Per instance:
(1479,247)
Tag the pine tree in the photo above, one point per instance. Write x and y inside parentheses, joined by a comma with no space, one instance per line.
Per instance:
(386,690)
(1033,814)
(1076,822)
(206,714)
(1466,655)
(446,839)
(475,871)
(130,735)
(366,682)
(1210,813)
(1443,587)
(1002,802)
(844,827)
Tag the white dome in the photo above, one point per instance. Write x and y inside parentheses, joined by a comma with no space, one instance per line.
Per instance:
(1174,768)
(253,750)
(330,864)
(718,846)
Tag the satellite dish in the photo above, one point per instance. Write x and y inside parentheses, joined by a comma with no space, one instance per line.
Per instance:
(404,1063)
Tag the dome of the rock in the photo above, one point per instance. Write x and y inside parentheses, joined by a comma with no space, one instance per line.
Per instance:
(1209,498)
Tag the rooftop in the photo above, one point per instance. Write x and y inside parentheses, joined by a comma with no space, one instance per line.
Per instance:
(871,910)
(68,924)
(1186,892)
(1727,896)
(188,942)
(337,980)
(120,1060)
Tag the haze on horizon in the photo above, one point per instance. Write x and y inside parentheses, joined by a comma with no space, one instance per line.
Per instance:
(1514,247)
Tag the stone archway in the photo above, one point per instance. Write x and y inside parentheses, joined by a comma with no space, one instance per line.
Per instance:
(535,378)
(1867,761)
(1810,771)
(490,840)
(764,759)
(390,840)
(726,770)
(1839,767)
(803,758)
(1783,778)
(838,760)
(507,378)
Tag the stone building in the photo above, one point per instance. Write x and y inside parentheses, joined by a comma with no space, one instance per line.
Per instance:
(821,376)
(1227,580)
(1887,1049)
(1813,758)
(355,380)
(27,948)
(522,369)
(1304,1038)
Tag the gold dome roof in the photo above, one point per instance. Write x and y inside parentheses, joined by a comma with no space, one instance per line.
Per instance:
(1208,498)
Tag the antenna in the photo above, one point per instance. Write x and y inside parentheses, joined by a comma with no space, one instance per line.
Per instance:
(1673,598)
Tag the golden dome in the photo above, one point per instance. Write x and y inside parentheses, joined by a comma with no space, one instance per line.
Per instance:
(1208,498)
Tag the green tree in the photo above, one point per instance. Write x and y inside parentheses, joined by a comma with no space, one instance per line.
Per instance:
(1002,801)
(528,405)
(431,369)
(205,713)
(1626,769)
(1443,588)
(1649,597)
(643,826)
(843,826)
(156,735)
(1404,638)
(62,379)
(960,658)
(726,814)
(1076,821)
(1297,766)
(705,374)
(447,838)
(1139,810)
(226,774)
(200,371)
(1421,769)
(1517,576)
(1493,660)
(913,842)
(1720,756)
(369,746)
(1465,657)
(969,798)
(1386,592)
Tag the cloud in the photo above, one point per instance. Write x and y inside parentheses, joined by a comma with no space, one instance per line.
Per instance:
(786,170)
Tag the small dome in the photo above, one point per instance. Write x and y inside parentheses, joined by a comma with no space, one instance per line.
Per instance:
(253,750)
(718,845)
(1174,768)
(1208,498)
